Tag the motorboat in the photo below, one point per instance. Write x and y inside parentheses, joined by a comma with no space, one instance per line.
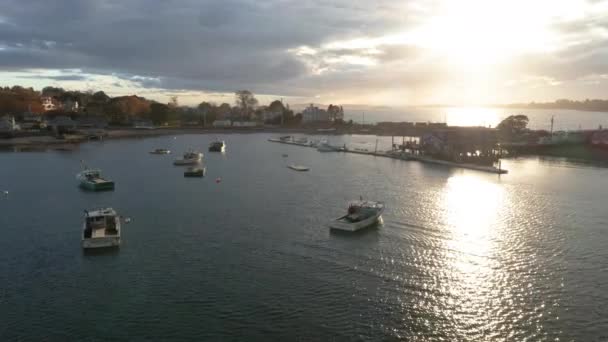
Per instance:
(101,229)
(195,172)
(160,151)
(91,179)
(361,214)
(217,146)
(189,158)
(298,167)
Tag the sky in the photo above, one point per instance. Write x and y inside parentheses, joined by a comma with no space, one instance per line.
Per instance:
(368,52)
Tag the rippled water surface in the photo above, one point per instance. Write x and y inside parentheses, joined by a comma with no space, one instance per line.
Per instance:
(462,255)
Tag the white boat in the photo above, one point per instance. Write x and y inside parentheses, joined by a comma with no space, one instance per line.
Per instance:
(189,158)
(361,214)
(101,229)
(298,167)
(160,151)
(91,179)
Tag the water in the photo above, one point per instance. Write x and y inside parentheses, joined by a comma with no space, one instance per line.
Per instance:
(481,116)
(462,255)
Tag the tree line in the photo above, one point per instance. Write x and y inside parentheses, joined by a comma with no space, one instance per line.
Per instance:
(594,105)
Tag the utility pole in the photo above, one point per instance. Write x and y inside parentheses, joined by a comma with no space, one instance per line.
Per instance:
(552,119)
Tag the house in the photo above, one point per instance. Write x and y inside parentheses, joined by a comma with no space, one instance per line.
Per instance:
(70,106)
(8,124)
(268,115)
(92,121)
(49,103)
(244,124)
(222,123)
(599,138)
(143,124)
(33,121)
(461,144)
(62,124)
(314,114)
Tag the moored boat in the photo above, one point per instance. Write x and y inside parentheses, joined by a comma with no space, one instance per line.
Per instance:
(101,229)
(217,146)
(189,158)
(195,172)
(91,179)
(361,214)
(298,167)
(160,151)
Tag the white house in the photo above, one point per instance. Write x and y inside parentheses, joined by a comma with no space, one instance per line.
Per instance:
(48,103)
(314,114)
(244,124)
(269,115)
(222,123)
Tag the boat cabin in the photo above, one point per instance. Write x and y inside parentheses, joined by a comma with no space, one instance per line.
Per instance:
(100,223)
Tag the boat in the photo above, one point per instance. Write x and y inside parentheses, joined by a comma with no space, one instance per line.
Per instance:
(160,151)
(91,179)
(101,229)
(217,146)
(361,214)
(298,167)
(285,155)
(325,147)
(195,172)
(189,158)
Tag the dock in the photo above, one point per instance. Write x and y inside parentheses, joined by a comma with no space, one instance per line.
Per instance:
(404,156)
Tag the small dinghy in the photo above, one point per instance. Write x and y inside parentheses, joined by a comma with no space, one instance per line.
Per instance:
(160,151)
(298,167)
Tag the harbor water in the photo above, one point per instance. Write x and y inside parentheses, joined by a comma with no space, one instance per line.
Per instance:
(245,253)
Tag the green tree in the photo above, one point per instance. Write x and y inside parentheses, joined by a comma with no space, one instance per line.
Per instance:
(336,113)
(276,106)
(159,113)
(512,127)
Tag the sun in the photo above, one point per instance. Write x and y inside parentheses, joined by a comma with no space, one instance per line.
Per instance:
(487,32)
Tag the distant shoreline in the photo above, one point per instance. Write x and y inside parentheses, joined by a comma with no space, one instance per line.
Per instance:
(129,133)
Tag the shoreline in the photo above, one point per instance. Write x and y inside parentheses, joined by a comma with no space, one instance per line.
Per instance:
(46,141)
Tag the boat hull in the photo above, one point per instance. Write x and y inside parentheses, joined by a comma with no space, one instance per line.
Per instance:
(339,224)
(99,186)
(101,242)
(186,162)
(217,148)
(298,168)
(197,173)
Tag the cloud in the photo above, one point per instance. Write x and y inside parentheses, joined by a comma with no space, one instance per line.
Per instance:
(58,77)
(342,49)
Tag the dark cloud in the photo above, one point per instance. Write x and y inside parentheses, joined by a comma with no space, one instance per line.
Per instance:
(189,44)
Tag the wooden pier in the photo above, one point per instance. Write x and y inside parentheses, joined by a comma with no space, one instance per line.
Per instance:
(405,156)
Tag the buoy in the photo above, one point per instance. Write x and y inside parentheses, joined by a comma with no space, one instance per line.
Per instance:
(218,179)
(5,192)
